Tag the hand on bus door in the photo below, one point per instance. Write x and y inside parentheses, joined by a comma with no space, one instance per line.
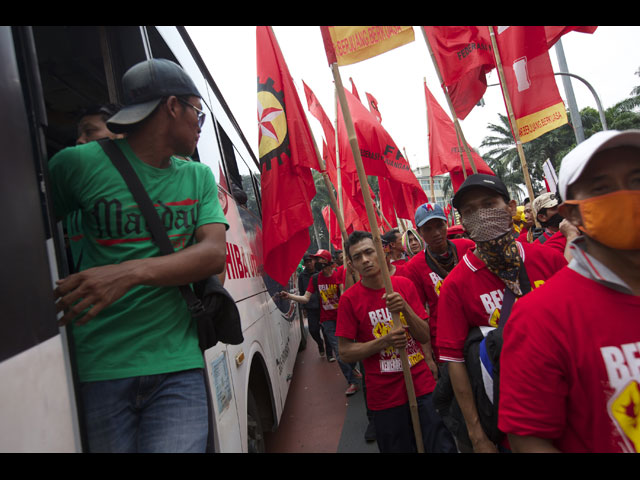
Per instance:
(93,289)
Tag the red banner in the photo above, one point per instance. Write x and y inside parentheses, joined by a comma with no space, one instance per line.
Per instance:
(380,157)
(554,33)
(331,222)
(355,216)
(532,87)
(286,154)
(444,150)
(464,56)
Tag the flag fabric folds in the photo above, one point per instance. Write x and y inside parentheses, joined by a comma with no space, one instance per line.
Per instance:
(537,105)
(444,148)
(355,215)
(464,56)
(380,157)
(346,45)
(287,153)
(553,33)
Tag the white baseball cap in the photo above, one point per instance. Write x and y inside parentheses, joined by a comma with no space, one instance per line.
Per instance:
(574,163)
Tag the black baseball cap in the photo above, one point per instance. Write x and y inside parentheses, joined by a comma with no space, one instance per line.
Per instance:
(481,180)
(144,86)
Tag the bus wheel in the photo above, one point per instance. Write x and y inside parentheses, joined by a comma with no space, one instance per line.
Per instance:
(255,434)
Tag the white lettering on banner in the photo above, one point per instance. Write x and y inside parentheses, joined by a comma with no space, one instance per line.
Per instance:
(622,364)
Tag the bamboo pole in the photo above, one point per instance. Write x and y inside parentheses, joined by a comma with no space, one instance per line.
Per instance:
(353,141)
(512,118)
(461,138)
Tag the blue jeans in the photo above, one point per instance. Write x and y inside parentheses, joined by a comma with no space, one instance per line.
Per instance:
(329,328)
(155,413)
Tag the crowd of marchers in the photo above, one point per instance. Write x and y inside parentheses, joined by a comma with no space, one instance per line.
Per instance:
(520,324)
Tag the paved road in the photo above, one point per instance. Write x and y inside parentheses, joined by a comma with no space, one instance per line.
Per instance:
(318,417)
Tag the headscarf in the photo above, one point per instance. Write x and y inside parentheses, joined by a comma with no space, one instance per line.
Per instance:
(405,241)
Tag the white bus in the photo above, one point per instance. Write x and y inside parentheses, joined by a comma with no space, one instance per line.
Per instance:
(48,75)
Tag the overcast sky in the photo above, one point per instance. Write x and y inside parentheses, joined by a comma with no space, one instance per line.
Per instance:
(607,59)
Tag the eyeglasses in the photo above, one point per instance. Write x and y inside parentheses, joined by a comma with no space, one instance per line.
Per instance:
(200,113)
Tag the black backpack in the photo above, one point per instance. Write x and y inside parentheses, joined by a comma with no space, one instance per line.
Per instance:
(480,353)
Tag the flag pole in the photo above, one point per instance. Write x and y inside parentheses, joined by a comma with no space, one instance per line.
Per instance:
(512,119)
(450,103)
(353,141)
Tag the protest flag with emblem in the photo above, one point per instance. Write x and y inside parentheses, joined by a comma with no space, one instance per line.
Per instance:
(463,56)
(444,146)
(346,45)
(530,81)
(373,106)
(286,152)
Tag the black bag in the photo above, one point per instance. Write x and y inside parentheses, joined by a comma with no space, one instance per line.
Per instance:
(210,305)
(480,352)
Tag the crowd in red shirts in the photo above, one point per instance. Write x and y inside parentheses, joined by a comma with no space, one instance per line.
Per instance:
(562,374)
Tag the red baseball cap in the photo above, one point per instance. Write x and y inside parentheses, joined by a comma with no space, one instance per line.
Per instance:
(324,254)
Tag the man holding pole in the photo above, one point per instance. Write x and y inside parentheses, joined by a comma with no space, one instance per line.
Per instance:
(366,332)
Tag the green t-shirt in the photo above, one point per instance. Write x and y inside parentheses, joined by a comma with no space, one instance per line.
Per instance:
(149,330)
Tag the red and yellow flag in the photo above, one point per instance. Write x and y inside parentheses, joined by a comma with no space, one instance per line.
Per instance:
(537,105)
(346,45)
(287,153)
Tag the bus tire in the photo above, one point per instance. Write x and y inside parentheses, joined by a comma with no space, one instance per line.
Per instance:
(255,432)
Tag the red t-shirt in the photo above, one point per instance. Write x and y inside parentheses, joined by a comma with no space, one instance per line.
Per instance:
(399,262)
(472,295)
(428,283)
(557,241)
(570,366)
(522,238)
(329,293)
(363,316)
(341,273)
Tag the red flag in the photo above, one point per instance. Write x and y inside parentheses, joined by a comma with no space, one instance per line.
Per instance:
(354,90)
(286,153)
(554,33)
(355,215)
(444,150)
(331,222)
(380,157)
(464,56)
(373,106)
(537,105)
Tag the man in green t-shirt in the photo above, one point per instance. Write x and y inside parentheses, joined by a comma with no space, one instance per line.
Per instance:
(136,346)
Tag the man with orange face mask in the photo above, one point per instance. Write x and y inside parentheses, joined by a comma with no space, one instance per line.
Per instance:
(570,379)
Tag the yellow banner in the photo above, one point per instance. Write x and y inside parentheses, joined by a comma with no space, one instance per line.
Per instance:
(539,123)
(355,44)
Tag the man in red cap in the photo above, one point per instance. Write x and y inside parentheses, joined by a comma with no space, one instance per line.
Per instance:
(329,286)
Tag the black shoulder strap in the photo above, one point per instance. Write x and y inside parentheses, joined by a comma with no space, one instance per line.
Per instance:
(158,233)
(510,297)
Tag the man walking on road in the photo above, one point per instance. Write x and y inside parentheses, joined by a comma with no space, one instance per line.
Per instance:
(366,332)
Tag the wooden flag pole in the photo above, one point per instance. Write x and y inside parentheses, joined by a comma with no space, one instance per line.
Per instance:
(512,118)
(353,141)
(453,112)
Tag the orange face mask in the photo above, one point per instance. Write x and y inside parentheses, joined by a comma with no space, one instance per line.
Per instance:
(612,219)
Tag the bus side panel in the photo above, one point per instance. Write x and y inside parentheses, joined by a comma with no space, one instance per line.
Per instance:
(37,409)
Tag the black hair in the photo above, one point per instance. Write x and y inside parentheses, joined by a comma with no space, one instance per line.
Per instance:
(106,111)
(355,238)
(390,236)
